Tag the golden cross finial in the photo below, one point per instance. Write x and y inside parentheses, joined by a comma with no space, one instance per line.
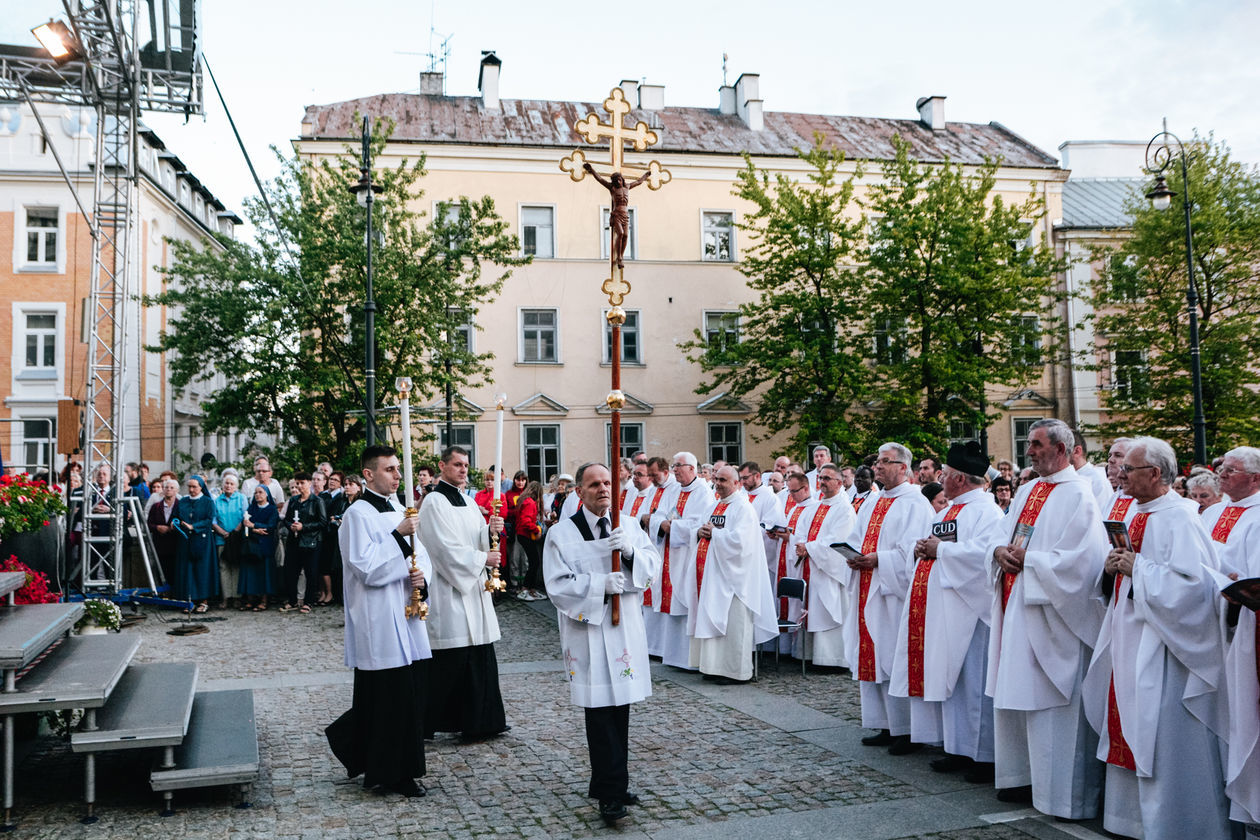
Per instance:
(593,131)
(616,287)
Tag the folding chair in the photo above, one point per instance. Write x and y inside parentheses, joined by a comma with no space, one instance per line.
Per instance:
(788,588)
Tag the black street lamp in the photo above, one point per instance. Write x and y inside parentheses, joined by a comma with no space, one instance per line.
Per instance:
(1160,153)
(365,191)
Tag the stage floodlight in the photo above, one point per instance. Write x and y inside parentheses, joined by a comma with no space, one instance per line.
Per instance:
(60,42)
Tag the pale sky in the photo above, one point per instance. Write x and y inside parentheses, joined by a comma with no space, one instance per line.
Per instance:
(1075,70)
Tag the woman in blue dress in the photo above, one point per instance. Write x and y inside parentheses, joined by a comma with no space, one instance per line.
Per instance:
(197,561)
(261,521)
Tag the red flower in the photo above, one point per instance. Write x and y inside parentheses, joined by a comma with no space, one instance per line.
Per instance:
(45,523)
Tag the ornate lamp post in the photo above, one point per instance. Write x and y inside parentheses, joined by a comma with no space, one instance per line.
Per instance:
(1161,151)
(365,191)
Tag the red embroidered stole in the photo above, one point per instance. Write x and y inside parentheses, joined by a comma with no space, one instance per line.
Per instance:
(783,547)
(815,525)
(1118,752)
(857,502)
(866,645)
(634,508)
(1229,518)
(918,613)
(702,549)
(1028,516)
(667,586)
(656,500)
(1120,508)
(621,500)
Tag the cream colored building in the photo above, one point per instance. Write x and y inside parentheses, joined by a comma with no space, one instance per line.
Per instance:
(46,280)
(546,329)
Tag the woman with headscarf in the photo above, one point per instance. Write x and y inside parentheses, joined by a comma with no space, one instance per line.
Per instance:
(262,519)
(197,561)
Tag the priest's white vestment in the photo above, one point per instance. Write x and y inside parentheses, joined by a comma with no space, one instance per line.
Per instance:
(686,509)
(830,520)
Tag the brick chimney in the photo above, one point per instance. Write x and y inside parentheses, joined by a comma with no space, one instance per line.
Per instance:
(748,100)
(488,80)
(432,83)
(932,112)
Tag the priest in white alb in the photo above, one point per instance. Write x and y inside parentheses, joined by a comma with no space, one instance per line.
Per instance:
(1045,620)
(787,533)
(1155,689)
(606,664)
(662,484)
(826,572)
(889,523)
(943,638)
(730,609)
(674,523)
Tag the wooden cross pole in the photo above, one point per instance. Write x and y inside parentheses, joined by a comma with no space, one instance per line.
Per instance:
(616,287)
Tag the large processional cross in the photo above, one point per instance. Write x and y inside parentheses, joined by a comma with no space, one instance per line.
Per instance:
(615,286)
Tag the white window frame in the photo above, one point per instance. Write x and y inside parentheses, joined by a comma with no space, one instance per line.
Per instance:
(520,225)
(704,323)
(1145,365)
(606,337)
(470,328)
(704,230)
(19,441)
(520,335)
(525,429)
(966,424)
(709,442)
(44,376)
(1022,353)
(1016,458)
(457,428)
(53,261)
(642,444)
(892,335)
(605,233)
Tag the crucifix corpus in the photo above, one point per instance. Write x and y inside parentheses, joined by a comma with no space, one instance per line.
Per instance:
(617,183)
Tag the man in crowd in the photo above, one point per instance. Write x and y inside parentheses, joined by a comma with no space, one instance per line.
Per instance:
(674,523)
(730,609)
(888,525)
(1093,475)
(826,572)
(846,483)
(463,694)
(382,735)
(780,467)
(634,499)
(863,487)
(581,584)
(821,455)
(929,472)
(1119,506)
(1045,620)
(943,636)
(1153,692)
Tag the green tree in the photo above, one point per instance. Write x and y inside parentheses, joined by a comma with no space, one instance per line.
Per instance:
(287,337)
(960,296)
(1142,316)
(790,360)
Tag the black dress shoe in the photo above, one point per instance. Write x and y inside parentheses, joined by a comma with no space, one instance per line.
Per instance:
(1015,794)
(407,788)
(950,764)
(611,810)
(630,799)
(981,773)
(902,745)
(882,739)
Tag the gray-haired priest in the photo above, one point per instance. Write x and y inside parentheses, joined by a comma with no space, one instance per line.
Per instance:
(607,664)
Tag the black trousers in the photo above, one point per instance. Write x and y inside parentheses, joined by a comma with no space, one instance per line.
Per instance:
(296,561)
(463,693)
(533,556)
(382,736)
(608,740)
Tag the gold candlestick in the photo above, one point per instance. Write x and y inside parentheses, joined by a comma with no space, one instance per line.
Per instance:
(417,608)
(495,583)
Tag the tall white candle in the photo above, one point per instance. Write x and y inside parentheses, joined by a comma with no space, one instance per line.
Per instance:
(403,384)
(500,399)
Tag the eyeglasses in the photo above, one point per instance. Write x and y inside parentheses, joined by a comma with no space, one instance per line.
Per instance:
(828,478)
(888,461)
(1126,469)
(1226,471)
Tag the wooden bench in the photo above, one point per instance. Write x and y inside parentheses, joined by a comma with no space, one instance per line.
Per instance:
(150,707)
(221,747)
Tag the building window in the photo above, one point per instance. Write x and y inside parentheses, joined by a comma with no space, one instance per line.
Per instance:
(1130,377)
(542,451)
(889,341)
(539,336)
(1123,279)
(631,339)
(717,232)
(446,224)
(962,431)
(726,442)
(37,439)
(538,230)
(631,440)
(721,333)
(463,435)
(1026,342)
(41,235)
(1023,427)
(462,335)
(605,228)
(41,340)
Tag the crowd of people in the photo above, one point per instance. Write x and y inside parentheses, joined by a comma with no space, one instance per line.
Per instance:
(1080,636)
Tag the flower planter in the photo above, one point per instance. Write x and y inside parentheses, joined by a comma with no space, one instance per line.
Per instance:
(38,549)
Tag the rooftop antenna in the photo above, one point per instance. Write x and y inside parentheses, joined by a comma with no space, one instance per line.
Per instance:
(723,69)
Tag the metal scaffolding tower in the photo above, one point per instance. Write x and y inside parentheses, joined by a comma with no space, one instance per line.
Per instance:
(118,78)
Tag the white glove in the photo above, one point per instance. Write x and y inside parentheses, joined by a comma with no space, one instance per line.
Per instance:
(615,583)
(619,541)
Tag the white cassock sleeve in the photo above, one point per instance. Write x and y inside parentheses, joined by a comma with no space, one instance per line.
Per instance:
(457,559)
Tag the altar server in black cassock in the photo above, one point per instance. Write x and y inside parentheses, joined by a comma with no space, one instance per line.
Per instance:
(382,736)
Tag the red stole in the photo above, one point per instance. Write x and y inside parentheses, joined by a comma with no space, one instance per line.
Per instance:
(866,645)
(702,549)
(783,602)
(857,502)
(1120,508)
(667,586)
(656,500)
(1118,752)
(815,525)
(1229,518)
(1028,516)
(918,613)
(621,500)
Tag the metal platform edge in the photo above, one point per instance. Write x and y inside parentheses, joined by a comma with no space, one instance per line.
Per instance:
(107,740)
(46,700)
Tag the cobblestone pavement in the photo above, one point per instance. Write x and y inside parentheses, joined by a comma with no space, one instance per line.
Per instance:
(700,764)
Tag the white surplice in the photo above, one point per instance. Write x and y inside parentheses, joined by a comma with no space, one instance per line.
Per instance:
(958,607)
(829,576)
(1161,648)
(1096,477)
(1039,648)
(606,665)
(461,612)
(684,519)
(377,589)
(781,562)
(653,621)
